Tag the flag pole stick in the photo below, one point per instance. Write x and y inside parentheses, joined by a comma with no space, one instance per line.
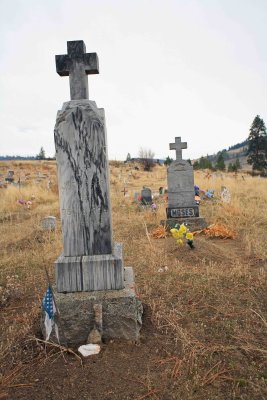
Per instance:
(58,314)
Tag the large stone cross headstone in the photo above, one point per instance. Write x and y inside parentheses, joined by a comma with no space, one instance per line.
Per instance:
(180,177)
(90,261)
(77,64)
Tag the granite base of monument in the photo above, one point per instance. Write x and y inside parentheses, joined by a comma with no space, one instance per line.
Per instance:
(89,273)
(121,313)
(193,223)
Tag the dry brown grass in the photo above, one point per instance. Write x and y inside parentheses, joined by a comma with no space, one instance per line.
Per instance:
(209,305)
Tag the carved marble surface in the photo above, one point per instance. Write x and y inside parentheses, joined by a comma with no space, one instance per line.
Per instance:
(80,139)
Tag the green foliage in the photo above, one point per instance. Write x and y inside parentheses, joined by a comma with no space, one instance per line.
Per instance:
(168,161)
(238,145)
(257,145)
(203,163)
(237,164)
(220,165)
(234,167)
(128,158)
(41,155)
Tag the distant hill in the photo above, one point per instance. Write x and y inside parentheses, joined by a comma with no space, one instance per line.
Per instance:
(238,150)
(8,158)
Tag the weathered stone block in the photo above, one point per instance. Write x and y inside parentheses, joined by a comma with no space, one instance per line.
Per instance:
(193,224)
(89,273)
(121,313)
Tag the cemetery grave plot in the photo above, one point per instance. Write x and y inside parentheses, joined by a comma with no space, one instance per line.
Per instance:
(204,332)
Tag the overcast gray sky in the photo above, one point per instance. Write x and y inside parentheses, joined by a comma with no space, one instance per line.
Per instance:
(190,68)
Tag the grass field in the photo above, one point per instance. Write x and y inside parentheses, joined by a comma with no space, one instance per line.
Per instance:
(205,318)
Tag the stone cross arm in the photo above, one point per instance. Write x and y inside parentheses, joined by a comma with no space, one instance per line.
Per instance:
(89,61)
(178,146)
(77,64)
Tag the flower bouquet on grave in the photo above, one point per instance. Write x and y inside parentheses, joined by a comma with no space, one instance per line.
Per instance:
(182,235)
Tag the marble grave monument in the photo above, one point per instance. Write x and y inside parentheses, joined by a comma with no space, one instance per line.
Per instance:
(90,270)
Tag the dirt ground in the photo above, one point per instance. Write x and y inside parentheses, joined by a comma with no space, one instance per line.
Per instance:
(149,369)
(204,334)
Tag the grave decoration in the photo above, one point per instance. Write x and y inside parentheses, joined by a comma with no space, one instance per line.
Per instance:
(182,235)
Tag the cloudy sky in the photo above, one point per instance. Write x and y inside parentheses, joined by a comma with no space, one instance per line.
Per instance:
(190,68)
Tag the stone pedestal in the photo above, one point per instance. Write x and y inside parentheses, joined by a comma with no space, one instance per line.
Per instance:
(193,224)
(121,313)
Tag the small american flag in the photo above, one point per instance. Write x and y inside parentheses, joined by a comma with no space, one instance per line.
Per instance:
(50,309)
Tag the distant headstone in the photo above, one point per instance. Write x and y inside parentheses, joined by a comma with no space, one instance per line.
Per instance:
(49,223)
(10,176)
(181,192)
(146,196)
(225,194)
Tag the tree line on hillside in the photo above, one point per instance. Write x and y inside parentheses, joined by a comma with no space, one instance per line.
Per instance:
(256,152)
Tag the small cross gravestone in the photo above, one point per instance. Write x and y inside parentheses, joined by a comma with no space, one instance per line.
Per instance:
(90,261)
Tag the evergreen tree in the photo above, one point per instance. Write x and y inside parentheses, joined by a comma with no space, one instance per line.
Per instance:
(196,165)
(257,145)
(41,155)
(128,158)
(237,164)
(230,167)
(220,162)
(168,161)
(202,163)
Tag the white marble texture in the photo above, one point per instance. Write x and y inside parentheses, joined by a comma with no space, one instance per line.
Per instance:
(80,140)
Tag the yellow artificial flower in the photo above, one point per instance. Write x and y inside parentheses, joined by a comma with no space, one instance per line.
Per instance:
(189,236)
(175,233)
(180,242)
(182,229)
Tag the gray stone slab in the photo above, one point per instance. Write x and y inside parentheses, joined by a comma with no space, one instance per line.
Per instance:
(146,196)
(90,273)
(121,313)
(83,176)
(193,224)
(180,178)
(49,223)
(183,212)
